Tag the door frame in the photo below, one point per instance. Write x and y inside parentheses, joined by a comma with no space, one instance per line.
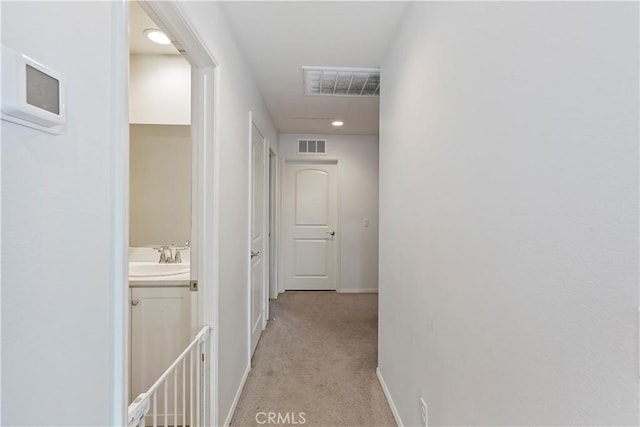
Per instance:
(119,165)
(205,207)
(265,228)
(274,226)
(282,234)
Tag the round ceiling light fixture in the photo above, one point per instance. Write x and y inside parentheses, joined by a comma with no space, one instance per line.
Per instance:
(156,36)
(337,123)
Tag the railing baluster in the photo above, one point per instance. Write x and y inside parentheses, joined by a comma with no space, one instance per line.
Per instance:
(198,386)
(205,358)
(184,397)
(166,415)
(155,409)
(191,383)
(195,353)
(175,398)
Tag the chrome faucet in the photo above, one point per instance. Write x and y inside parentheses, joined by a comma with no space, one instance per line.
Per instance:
(165,254)
(177,259)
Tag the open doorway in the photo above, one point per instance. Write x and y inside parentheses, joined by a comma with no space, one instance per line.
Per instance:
(163,309)
(173,222)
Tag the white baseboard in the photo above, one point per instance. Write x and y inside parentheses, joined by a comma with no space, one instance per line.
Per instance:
(357,291)
(392,405)
(237,398)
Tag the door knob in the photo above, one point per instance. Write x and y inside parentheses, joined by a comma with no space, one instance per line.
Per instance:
(333,233)
(134,302)
(254,254)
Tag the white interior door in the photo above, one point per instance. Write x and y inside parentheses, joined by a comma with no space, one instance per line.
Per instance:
(257,258)
(311,217)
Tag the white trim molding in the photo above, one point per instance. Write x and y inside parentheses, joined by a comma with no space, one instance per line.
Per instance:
(236,399)
(392,405)
(357,291)
(119,169)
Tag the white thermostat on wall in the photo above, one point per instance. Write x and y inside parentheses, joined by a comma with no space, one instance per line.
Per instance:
(33,95)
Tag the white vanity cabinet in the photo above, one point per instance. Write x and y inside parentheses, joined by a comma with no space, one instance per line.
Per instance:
(160,331)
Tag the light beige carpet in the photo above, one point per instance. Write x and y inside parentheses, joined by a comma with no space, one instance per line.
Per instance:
(317,356)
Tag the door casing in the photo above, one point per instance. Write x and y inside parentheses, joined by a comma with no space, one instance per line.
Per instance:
(273,225)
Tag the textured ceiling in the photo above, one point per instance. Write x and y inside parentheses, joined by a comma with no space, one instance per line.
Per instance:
(279,38)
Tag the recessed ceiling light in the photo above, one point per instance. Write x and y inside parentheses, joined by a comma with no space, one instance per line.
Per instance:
(156,36)
(337,123)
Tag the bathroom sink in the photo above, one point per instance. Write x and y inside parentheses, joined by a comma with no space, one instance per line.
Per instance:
(154,269)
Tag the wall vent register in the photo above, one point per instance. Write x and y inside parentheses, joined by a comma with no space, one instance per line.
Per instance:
(312,146)
(341,81)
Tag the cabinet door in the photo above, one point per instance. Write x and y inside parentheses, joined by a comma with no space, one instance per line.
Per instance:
(160,331)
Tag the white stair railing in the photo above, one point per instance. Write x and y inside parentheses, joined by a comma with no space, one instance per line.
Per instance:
(143,411)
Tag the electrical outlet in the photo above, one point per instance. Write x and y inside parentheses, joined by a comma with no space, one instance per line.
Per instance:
(424,413)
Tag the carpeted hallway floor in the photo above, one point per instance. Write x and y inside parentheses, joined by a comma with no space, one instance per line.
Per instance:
(318,356)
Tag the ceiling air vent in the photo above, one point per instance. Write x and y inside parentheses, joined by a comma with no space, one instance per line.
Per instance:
(341,81)
(312,146)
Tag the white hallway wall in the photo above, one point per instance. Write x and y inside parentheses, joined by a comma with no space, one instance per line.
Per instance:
(509,214)
(358,158)
(58,228)
(238,95)
(57,323)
